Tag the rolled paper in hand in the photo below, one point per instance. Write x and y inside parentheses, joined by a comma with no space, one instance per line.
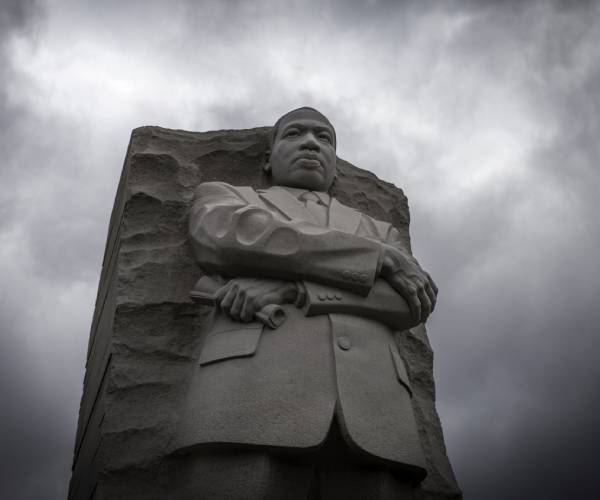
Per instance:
(271,315)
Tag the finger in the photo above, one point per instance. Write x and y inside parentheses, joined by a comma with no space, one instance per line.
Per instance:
(222,291)
(248,309)
(415,306)
(229,298)
(425,303)
(432,284)
(397,284)
(409,293)
(432,296)
(238,302)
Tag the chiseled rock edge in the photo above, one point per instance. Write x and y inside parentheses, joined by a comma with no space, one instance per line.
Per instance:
(151,343)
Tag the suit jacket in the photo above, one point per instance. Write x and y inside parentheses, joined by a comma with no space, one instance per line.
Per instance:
(280,388)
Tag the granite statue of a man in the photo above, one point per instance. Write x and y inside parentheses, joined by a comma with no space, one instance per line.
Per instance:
(317,405)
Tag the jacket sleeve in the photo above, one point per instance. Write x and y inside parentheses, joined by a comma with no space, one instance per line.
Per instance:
(382,304)
(393,238)
(235,237)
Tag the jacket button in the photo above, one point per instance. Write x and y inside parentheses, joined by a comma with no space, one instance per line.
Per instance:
(344,343)
(330,296)
(321,296)
(338,296)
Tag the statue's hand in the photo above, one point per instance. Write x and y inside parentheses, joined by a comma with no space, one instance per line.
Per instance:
(402,271)
(241,298)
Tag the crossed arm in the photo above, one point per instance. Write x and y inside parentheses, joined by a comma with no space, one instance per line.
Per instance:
(269,257)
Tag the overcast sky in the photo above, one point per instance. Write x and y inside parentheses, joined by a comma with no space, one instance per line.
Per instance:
(486,113)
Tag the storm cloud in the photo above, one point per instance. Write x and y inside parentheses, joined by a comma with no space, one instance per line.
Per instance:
(486,113)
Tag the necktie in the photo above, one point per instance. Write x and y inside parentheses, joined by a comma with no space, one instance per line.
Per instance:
(316,207)
(311,196)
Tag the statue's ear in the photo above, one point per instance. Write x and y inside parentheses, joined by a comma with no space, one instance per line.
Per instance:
(267,165)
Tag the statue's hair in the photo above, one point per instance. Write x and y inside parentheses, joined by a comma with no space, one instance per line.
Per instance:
(305,110)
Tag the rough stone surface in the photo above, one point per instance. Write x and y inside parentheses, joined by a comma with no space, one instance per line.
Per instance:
(145,328)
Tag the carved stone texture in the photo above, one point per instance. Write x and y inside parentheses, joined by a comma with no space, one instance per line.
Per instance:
(144,339)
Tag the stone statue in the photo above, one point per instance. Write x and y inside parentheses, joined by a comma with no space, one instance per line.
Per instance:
(300,391)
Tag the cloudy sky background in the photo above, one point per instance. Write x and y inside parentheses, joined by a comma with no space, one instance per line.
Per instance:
(486,113)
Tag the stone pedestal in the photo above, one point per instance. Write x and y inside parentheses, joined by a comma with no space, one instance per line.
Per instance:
(143,341)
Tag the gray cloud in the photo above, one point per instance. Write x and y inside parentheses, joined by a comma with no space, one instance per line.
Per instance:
(37,433)
(486,113)
(524,268)
(15,18)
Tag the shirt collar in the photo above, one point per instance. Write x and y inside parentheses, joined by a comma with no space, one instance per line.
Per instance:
(298,192)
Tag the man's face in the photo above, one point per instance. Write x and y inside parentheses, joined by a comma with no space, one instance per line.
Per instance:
(303,154)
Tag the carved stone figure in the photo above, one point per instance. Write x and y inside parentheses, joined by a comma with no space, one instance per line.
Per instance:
(299,390)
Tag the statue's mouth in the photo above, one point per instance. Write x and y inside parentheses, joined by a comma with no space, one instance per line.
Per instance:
(309,161)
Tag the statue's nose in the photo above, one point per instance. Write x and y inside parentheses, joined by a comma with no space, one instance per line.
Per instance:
(309,141)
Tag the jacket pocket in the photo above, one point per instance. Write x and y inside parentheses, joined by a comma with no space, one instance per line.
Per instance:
(233,343)
(400,369)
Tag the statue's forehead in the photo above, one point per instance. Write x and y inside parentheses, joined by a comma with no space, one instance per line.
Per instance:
(312,122)
(304,114)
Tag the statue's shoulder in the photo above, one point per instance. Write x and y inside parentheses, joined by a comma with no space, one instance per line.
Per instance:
(375,226)
(219,185)
(219,188)
(222,192)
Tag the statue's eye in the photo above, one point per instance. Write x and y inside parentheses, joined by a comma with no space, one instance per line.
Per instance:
(290,133)
(326,138)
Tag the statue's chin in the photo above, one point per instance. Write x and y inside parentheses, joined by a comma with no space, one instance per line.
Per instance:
(310,184)
(304,178)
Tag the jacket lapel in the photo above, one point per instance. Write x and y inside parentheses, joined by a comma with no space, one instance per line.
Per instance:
(287,203)
(343,218)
